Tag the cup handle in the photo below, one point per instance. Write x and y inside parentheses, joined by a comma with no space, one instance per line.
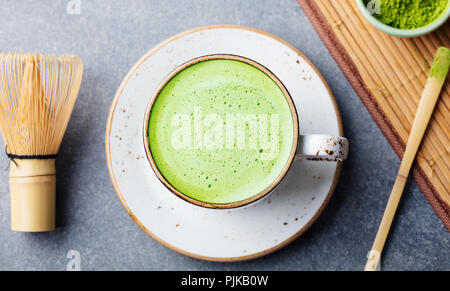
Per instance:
(318,147)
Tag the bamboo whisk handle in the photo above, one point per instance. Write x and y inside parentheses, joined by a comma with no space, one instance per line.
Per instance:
(32,185)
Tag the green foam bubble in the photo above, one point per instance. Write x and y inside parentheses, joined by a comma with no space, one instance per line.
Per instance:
(224,88)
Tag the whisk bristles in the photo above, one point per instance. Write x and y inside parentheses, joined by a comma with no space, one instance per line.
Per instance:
(37,95)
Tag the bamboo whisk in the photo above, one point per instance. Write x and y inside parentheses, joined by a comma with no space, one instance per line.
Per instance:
(37,95)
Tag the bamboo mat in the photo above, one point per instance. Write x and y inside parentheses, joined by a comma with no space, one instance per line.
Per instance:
(389,74)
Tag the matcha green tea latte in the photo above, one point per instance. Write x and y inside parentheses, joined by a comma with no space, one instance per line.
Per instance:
(221,131)
(407,14)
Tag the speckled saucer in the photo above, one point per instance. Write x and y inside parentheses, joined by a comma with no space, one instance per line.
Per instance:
(210,234)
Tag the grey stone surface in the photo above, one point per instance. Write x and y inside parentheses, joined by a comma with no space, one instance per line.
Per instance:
(111,36)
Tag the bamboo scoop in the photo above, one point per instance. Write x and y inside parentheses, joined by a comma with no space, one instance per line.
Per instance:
(433,87)
(37,95)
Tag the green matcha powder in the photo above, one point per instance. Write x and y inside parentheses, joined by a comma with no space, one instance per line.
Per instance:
(408,14)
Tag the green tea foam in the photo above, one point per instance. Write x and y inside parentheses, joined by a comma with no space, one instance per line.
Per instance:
(221,131)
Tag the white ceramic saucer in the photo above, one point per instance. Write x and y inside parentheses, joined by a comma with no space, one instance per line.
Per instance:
(210,234)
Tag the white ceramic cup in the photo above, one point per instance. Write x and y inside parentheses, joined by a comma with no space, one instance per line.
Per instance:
(305,147)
